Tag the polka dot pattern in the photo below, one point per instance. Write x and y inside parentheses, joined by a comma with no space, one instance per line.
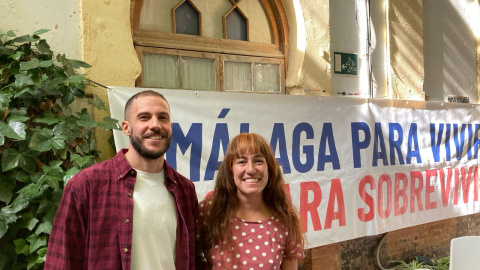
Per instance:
(259,244)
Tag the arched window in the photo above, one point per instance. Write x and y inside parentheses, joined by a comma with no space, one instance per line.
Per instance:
(217,45)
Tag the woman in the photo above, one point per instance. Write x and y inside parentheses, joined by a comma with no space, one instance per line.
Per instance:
(249,199)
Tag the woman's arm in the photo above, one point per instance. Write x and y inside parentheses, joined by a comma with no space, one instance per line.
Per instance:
(289,265)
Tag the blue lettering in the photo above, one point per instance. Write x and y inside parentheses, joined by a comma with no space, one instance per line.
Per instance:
(278,138)
(358,145)
(447,141)
(219,137)
(435,144)
(395,145)
(413,142)
(307,149)
(378,140)
(327,138)
(244,127)
(194,139)
(476,142)
(459,144)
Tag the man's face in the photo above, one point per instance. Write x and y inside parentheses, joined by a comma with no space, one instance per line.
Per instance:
(149,127)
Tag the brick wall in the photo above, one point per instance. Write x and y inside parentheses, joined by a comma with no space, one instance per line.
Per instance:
(428,240)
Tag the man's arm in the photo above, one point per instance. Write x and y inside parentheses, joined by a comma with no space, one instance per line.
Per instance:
(66,245)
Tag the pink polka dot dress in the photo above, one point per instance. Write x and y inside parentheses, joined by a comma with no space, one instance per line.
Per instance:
(259,245)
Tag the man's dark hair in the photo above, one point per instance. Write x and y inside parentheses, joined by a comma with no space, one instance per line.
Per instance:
(145,93)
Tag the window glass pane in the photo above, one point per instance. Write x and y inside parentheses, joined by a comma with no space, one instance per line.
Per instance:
(187,20)
(238,76)
(160,71)
(267,77)
(198,73)
(236,26)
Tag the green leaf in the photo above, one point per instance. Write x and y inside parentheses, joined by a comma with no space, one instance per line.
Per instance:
(76,79)
(36,242)
(43,47)
(42,252)
(2,140)
(14,130)
(5,98)
(5,51)
(44,227)
(24,39)
(34,63)
(3,228)
(17,55)
(80,63)
(21,246)
(47,63)
(98,103)
(86,121)
(30,223)
(49,118)
(22,79)
(109,123)
(81,161)
(41,31)
(6,189)
(11,33)
(17,118)
(11,159)
(67,98)
(70,173)
(41,142)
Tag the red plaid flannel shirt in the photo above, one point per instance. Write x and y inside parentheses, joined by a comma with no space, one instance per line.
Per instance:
(93,225)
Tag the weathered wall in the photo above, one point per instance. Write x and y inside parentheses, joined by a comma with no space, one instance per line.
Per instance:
(406,49)
(316,69)
(27,16)
(108,47)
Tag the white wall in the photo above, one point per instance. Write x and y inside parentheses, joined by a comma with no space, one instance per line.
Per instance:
(450,48)
(60,16)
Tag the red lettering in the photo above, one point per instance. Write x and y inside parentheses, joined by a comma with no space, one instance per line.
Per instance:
(475,181)
(429,190)
(384,212)
(369,201)
(456,188)
(416,192)
(310,207)
(401,193)
(466,182)
(287,190)
(336,194)
(445,187)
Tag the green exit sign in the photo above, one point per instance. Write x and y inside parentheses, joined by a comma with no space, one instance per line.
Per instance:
(346,63)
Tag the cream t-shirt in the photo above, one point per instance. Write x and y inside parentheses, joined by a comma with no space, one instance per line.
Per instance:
(154,223)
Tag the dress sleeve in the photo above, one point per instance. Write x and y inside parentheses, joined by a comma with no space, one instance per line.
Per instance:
(66,244)
(294,251)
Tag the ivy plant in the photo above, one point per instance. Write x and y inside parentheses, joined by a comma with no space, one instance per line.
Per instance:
(43,142)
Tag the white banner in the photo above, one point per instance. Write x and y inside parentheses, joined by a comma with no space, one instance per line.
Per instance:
(353,166)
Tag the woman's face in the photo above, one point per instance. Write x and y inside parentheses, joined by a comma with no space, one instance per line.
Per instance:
(250,173)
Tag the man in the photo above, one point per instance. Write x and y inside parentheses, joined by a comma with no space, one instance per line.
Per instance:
(132,211)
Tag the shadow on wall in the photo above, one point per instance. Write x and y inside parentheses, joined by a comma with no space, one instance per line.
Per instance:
(316,65)
(406,49)
(450,52)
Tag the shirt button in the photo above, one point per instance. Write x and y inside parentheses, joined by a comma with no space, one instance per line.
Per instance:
(129,194)
(127,220)
(125,250)
(132,172)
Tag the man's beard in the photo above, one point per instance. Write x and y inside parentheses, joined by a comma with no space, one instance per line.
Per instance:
(144,152)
